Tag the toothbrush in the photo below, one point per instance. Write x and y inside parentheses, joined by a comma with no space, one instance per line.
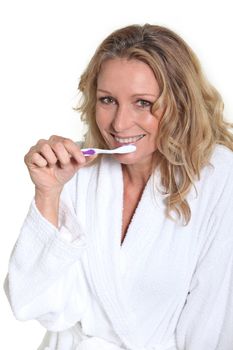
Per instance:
(118,150)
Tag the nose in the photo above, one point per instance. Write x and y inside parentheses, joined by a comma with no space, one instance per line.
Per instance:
(123,119)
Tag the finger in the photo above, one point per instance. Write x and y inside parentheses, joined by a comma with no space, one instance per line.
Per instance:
(56,138)
(61,153)
(46,151)
(39,142)
(38,160)
(71,147)
(90,159)
(74,151)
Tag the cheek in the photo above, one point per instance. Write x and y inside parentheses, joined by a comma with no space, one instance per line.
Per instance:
(103,117)
(99,117)
(100,121)
(151,124)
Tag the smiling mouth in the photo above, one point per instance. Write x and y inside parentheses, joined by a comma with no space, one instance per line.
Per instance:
(124,140)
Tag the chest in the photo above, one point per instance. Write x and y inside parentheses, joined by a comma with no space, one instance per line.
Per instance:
(131,200)
(158,257)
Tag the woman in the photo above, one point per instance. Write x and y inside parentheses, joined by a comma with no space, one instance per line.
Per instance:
(133,251)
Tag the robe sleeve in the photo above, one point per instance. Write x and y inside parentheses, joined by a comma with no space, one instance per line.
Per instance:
(45,279)
(206,322)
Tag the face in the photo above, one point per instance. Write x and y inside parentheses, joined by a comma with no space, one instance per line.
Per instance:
(126,90)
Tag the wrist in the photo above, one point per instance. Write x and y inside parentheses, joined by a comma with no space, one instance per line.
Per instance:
(48,205)
(48,194)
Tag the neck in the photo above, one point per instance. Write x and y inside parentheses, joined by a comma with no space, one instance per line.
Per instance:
(135,175)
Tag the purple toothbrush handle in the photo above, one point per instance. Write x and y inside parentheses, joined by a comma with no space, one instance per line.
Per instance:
(89,152)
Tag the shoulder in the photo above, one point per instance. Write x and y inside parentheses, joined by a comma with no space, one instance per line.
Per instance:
(220,166)
(215,180)
(102,164)
(222,157)
(80,181)
(102,168)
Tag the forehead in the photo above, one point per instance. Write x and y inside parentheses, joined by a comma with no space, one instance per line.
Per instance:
(122,73)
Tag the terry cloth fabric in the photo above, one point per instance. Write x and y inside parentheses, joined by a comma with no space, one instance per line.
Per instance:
(167,286)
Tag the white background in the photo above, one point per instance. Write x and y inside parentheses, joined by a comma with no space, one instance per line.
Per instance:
(45,46)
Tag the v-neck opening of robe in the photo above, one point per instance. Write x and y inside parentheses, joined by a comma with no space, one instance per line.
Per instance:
(123,244)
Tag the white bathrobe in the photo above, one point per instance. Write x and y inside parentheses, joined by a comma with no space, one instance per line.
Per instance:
(167,287)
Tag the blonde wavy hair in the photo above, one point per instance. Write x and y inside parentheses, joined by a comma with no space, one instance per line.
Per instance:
(192,123)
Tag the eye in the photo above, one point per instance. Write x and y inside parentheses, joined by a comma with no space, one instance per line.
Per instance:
(107,100)
(144,103)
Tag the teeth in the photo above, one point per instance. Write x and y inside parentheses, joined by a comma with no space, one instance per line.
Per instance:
(129,139)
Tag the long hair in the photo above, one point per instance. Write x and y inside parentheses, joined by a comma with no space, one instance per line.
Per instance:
(192,123)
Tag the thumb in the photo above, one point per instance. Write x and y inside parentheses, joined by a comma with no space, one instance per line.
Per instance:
(90,159)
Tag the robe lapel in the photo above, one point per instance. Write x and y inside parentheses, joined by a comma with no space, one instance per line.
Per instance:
(104,219)
(104,226)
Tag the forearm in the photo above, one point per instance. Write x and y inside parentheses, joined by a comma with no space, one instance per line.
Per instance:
(40,258)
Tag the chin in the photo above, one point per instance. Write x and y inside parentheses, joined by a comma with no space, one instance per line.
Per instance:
(133,158)
(126,159)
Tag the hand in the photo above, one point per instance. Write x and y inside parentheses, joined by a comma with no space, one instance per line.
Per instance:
(53,162)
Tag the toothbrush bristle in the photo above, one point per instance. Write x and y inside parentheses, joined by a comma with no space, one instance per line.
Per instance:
(128,148)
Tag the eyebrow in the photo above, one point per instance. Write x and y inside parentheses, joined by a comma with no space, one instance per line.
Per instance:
(138,94)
